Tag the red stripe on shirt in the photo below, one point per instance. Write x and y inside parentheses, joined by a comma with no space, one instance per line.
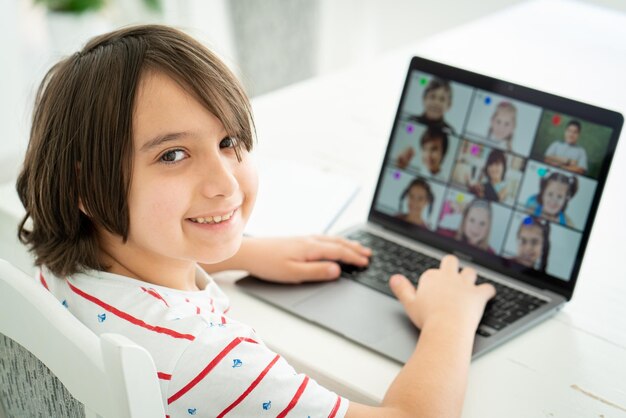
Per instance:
(43,281)
(234,343)
(223,320)
(212,306)
(155,294)
(295,399)
(128,317)
(335,408)
(164,376)
(250,388)
(227,309)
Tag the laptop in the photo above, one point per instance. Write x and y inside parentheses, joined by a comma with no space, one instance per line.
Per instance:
(505,177)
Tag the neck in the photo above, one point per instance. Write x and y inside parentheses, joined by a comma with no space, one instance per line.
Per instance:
(120,258)
(415,218)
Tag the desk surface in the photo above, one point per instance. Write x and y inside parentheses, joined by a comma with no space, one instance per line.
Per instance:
(573,364)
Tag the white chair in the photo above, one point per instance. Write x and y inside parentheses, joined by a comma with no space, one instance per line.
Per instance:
(41,343)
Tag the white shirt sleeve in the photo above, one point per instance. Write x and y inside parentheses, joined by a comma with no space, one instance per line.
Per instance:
(582,160)
(228,371)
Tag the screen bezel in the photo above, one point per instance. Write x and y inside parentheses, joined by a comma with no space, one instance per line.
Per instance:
(514,91)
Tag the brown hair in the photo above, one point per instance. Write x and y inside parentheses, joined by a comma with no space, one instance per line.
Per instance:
(81,147)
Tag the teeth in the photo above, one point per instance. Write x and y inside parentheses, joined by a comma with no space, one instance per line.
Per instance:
(213,219)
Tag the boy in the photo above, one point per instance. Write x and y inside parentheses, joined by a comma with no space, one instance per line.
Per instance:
(433,148)
(136,173)
(437,98)
(567,154)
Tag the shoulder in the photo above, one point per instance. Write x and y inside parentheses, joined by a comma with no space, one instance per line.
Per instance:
(532,202)
(580,149)
(162,320)
(554,146)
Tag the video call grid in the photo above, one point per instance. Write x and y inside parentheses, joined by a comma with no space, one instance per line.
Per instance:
(516,207)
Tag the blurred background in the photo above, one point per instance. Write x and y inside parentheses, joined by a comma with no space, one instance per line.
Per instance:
(270,44)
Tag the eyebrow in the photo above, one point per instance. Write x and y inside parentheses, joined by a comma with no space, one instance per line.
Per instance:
(160,139)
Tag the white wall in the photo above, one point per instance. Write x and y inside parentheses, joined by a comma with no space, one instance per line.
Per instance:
(348,32)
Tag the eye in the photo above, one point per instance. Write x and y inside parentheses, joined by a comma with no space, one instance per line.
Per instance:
(172,156)
(228,142)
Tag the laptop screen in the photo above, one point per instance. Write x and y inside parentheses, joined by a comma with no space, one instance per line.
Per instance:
(505,175)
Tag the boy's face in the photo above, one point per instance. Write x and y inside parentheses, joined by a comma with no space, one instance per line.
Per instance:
(432,155)
(529,245)
(571,134)
(436,103)
(191,173)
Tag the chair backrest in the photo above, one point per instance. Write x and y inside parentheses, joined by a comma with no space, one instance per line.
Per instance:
(110,375)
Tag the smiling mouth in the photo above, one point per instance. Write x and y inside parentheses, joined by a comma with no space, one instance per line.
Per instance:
(214,219)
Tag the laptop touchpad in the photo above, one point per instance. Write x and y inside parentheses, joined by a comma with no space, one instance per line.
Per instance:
(354,310)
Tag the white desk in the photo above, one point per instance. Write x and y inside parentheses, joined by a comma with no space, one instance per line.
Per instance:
(571,365)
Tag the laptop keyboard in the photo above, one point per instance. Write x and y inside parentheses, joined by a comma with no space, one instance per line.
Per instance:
(389,258)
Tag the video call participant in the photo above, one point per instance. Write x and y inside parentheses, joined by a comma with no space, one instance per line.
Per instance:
(437,100)
(419,196)
(533,243)
(476,225)
(433,148)
(555,192)
(502,125)
(567,154)
(494,188)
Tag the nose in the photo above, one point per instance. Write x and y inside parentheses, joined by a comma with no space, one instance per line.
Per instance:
(217,176)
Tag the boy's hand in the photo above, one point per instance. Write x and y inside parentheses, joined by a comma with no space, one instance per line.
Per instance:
(444,294)
(301,259)
(405,157)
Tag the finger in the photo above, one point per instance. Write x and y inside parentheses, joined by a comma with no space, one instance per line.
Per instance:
(469,274)
(338,252)
(402,288)
(449,263)
(314,271)
(487,290)
(354,245)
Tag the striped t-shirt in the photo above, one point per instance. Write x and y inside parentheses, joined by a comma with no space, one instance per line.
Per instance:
(208,365)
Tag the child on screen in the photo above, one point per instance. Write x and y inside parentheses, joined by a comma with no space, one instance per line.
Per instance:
(437,99)
(419,196)
(433,149)
(137,181)
(533,243)
(495,187)
(555,192)
(476,225)
(502,125)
